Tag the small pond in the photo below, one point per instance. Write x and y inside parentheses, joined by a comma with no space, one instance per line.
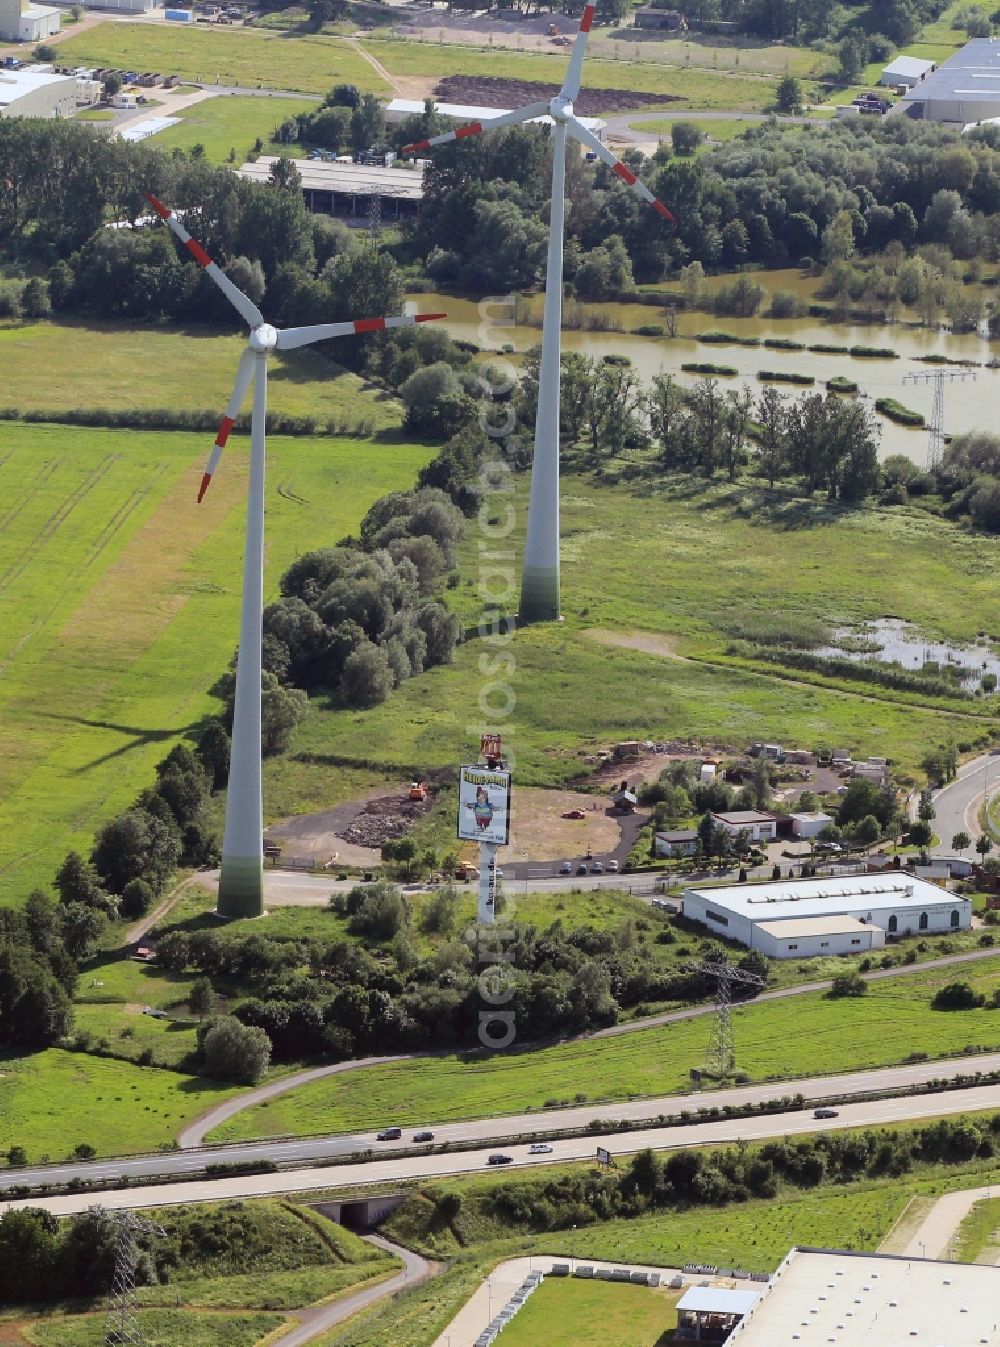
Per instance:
(890,640)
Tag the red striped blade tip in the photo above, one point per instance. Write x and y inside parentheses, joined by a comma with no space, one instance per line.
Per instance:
(587,20)
(472,129)
(661,208)
(417,145)
(428,317)
(204,486)
(162,211)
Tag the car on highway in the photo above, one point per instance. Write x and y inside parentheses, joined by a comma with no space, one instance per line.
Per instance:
(598,868)
(825,1113)
(423,1136)
(566,868)
(540,1148)
(499,1159)
(581,869)
(389,1134)
(613,867)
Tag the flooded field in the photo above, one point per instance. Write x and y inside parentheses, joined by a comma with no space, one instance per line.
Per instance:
(889,640)
(968,405)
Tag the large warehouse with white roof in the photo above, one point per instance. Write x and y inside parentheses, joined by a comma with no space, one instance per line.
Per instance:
(846,914)
(965,88)
(872,1300)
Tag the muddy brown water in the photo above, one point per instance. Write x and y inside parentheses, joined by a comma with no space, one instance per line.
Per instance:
(969,405)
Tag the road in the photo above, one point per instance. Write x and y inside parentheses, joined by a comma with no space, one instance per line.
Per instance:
(297,1151)
(386,1173)
(317,1319)
(958,804)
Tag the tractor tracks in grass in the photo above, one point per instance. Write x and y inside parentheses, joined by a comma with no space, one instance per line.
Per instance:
(380,70)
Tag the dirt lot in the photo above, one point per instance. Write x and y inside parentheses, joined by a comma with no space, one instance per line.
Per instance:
(493,91)
(350,834)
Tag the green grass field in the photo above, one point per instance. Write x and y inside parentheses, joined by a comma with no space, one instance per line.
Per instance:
(225,125)
(132,365)
(692,88)
(977,1239)
(776,1040)
(119,605)
(570,1313)
(248,58)
(121,1109)
(159,1328)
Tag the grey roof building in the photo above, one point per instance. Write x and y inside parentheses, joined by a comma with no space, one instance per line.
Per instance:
(965,88)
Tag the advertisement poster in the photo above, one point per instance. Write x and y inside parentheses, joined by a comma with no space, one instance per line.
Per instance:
(484,805)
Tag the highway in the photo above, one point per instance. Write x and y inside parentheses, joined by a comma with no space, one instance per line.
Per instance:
(389,1172)
(306,1149)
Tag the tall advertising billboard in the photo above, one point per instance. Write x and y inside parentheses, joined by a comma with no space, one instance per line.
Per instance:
(484,805)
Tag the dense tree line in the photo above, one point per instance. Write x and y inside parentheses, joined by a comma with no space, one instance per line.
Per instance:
(765,197)
(343,998)
(692,1178)
(37,973)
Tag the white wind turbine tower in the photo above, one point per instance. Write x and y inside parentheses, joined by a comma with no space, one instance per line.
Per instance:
(540,574)
(241,883)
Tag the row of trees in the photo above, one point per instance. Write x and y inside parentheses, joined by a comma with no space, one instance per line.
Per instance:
(686,1178)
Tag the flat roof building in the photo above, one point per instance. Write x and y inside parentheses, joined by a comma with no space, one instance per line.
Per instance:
(860,1300)
(758,827)
(347,189)
(27,22)
(399,108)
(809,824)
(907,70)
(30,93)
(965,88)
(758,915)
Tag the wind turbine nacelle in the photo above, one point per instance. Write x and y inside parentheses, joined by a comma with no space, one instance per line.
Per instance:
(264,338)
(560,108)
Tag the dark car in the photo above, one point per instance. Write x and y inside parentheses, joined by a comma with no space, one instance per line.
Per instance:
(389,1134)
(499,1159)
(825,1113)
(581,869)
(423,1136)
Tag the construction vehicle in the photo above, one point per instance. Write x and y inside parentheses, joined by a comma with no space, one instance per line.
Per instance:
(418,790)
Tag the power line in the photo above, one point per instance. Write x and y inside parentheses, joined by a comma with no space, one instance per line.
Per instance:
(123,1329)
(935,427)
(720,1060)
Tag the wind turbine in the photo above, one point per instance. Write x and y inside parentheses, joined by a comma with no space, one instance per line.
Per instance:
(540,574)
(241,883)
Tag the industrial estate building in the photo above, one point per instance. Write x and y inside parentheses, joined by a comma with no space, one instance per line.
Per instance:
(34,93)
(347,189)
(847,914)
(908,71)
(965,88)
(858,1300)
(20,22)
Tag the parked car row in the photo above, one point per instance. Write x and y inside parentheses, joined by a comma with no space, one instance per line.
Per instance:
(589,867)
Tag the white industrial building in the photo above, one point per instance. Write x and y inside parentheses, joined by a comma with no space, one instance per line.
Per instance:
(757,826)
(872,1300)
(32,93)
(347,189)
(907,70)
(678,842)
(845,914)
(965,88)
(808,825)
(27,22)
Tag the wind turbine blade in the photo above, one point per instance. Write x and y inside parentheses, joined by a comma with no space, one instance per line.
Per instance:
(524,114)
(574,72)
(243,305)
(580,132)
(305,336)
(244,377)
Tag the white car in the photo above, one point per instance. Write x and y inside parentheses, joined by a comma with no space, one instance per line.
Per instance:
(613,867)
(540,1148)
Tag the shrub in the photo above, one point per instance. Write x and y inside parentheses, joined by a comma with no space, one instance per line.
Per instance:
(726,371)
(895,411)
(957,996)
(783,344)
(838,384)
(784,377)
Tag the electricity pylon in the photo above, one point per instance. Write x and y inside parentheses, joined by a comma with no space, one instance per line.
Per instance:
(123,1328)
(721,1058)
(935,427)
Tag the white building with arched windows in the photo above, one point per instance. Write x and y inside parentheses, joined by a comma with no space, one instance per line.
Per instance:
(845,914)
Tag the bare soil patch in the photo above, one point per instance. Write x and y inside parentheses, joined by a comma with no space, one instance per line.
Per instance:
(351,833)
(540,833)
(493,91)
(648,642)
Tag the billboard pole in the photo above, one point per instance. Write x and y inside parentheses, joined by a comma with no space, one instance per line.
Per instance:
(484,817)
